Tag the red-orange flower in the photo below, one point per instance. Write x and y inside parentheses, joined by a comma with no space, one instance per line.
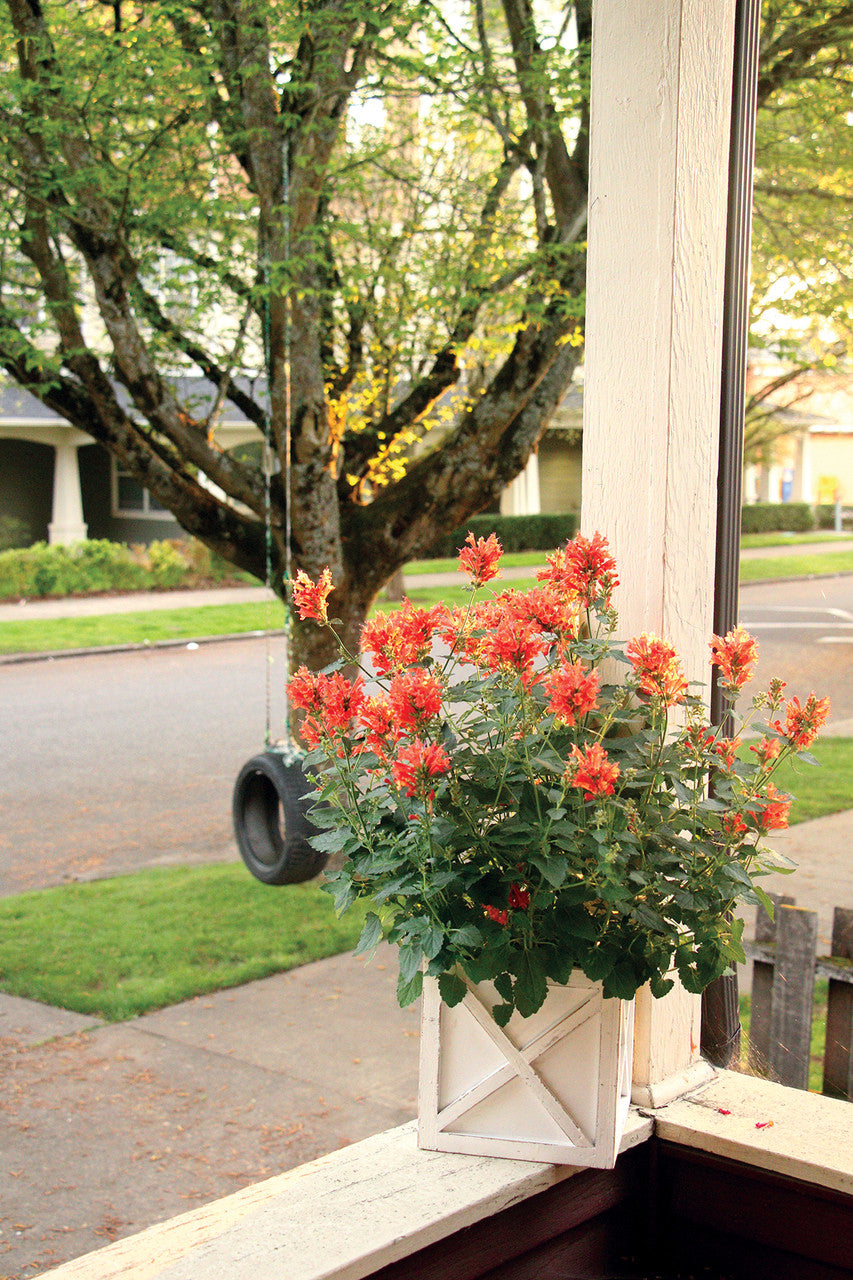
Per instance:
(377,717)
(572,691)
(332,700)
(519,897)
(726,749)
(499,917)
(803,723)
(592,772)
(310,597)
(767,750)
(584,568)
(398,639)
(415,698)
(479,558)
(735,655)
(658,668)
(773,816)
(416,765)
(513,646)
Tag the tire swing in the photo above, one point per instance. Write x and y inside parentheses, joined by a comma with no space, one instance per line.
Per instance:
(271,822)
(272,795)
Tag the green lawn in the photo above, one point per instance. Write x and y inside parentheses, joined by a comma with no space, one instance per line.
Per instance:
(820,791)
(204,621)
(116,948)
(792,539)
(796,566)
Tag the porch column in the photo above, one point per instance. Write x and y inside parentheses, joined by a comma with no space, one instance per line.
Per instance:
(521,496)
(67,524)
(661,102)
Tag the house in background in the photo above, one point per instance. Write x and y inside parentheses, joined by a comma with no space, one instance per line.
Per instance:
(812,459)
(62,486)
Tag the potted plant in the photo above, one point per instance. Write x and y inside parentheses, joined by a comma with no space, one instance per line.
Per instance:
(539,811)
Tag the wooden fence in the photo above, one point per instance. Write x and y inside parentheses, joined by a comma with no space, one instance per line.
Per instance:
(785,965)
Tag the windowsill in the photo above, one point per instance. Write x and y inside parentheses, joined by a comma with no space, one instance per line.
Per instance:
(382,1199)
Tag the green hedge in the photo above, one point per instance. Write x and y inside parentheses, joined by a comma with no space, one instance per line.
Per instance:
(516,533)
(773,517)
(98,566)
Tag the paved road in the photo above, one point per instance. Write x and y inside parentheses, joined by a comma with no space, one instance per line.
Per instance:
(116,761)
(805,635)
(112,762)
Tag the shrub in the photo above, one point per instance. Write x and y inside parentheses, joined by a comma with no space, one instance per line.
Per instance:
(772,517)
(516,533)
(825,516)
(167,567)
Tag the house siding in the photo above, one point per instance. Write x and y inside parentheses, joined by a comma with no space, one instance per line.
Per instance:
(26,485)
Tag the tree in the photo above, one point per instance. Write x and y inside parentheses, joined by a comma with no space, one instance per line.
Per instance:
(802,256)
(380,206)
(383,205)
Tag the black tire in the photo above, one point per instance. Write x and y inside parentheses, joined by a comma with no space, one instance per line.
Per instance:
(271,823)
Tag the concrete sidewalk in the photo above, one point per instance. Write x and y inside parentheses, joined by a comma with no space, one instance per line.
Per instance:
(107,1129)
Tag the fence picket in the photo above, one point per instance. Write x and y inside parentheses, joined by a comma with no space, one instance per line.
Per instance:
(793,996)
(838,1058)
(762,986)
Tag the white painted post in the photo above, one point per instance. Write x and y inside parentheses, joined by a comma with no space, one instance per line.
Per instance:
(661,100)
(67,524)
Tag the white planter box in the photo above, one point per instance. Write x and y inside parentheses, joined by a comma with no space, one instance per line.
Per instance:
(554,1087)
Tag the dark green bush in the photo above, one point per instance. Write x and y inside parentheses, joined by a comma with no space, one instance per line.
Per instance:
(825,516)
(773,517)
(516,533)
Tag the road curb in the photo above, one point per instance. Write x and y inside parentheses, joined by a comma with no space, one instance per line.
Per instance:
(9,659)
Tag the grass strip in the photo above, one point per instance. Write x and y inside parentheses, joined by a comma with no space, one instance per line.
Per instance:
(818,792)
(117,948)
(767,569)
(792,539)
(205,621)
(145,627)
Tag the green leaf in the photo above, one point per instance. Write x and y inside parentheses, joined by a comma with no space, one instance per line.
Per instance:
(502,1013)
(467,936)
(531,987)
(370,935)
(432,941)
(411,957)
(451,988)
(408,991)
(342,890)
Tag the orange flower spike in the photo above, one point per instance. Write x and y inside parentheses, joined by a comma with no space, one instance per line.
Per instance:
(774,815)
(592,772)
(803,723)
(767,750)
(735,655)
(416,764)
(414,697)
(479,558)
(310,597)
(656,664)
(584,569)
(572,692)
(726,749)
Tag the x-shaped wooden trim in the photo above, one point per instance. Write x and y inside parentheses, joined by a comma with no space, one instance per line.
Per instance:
(519,1064)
